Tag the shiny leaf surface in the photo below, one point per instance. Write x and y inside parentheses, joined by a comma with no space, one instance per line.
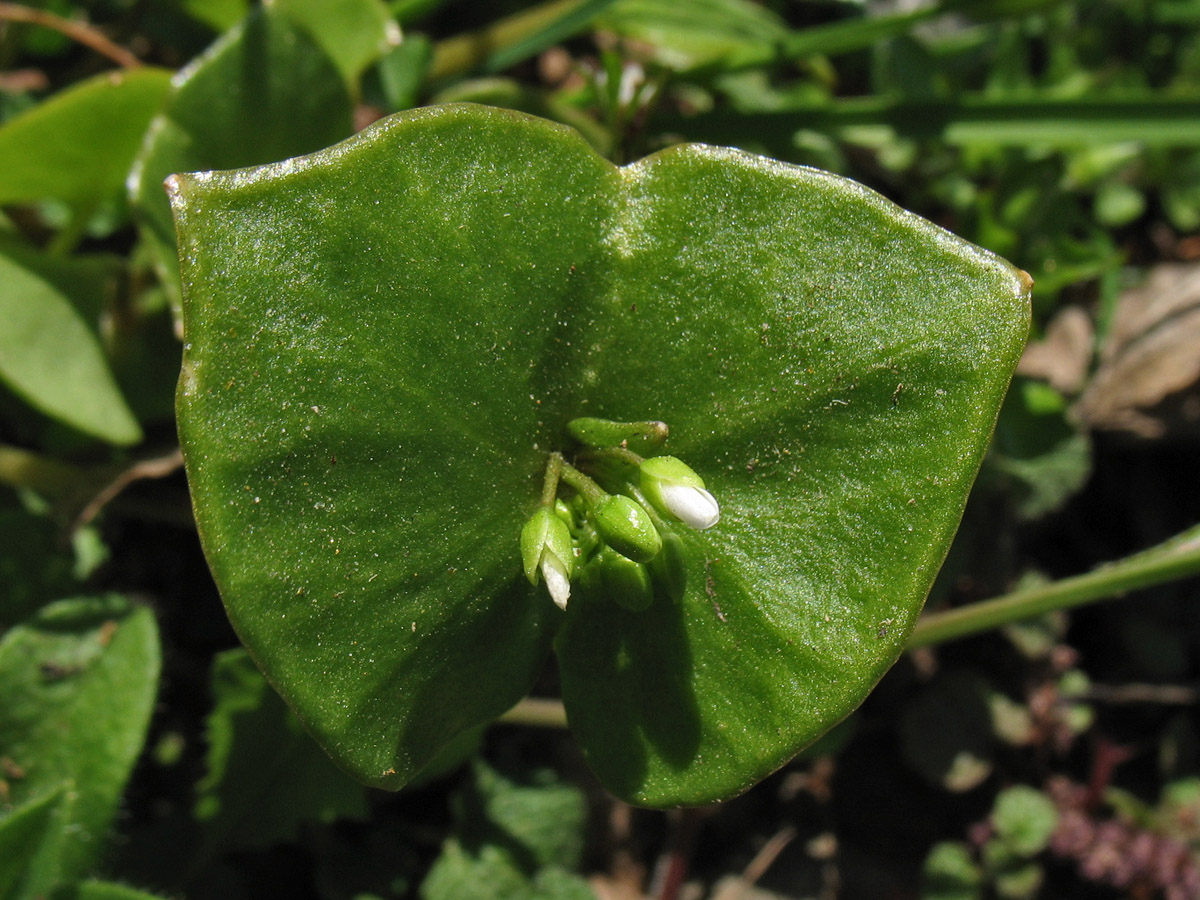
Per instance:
(384,339)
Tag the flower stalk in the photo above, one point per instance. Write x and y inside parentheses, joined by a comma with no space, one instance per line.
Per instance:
(616,533)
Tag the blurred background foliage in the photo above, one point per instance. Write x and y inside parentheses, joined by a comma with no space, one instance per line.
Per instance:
(1058,757)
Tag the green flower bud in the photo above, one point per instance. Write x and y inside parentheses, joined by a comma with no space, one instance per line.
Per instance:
(641,437)
(627,528)
(668,570)
(546,547)
(678,492)
(625,582)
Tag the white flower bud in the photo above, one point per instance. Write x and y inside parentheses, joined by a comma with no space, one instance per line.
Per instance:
(546,547)
(558,580)
(678,492)
(691,505)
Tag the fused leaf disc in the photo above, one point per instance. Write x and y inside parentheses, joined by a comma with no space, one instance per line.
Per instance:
(384,339)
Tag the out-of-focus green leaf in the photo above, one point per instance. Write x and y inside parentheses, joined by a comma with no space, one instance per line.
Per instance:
(265,91)
(78,682)
(946,733)
(951,873)
(1040,456)
(30,843)
(1181,193)
(33,568)
(87,280)
(78,146)
(50,358)
(491,874)
(265,777)
(732,35)
(386,338)
(401,70)
(698,33)
(101,890)
(967,120)
(509,40)
(1016,881)
(220,15)
(1118,204)
(513,841)
(1024,819)
(573,19)
(541,815)
(353,33)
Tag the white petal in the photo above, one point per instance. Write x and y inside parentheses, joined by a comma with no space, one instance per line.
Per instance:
(694,506)
(557,582)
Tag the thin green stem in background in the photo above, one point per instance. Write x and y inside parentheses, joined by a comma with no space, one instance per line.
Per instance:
(21,468)
(1150,119)
(536,712)
(512,39)
(81,32)
(1177,558)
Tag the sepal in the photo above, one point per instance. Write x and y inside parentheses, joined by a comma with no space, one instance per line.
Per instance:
(546,548)
(677,492)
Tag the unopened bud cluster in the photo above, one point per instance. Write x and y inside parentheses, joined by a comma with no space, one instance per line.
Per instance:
(612,535)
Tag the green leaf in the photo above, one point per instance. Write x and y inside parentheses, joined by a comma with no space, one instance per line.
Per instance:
(509,40)
(969,119)
(265,775)
(50,357)
(33,566)
(491,874)
(30,841)
(1019,882)
(1024,819)
(217,14)
(383,341)
(77,683)
(951,873)
(539,819)
(1039,457)
(703,32)
(353,33)
(101,890)
(400,72)
(78,146)
(552,31)
(89,280)
(513,840)
(946,732)
(265,91)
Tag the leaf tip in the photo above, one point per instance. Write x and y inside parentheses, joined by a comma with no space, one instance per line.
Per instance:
(1026,281)
(173,185)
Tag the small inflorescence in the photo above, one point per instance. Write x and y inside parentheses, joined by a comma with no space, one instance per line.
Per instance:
(614,533)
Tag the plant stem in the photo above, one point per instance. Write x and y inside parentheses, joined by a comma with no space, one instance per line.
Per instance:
(67,240)
(465,52)
(550,484)
(591,491)
(536,712)
(1176,558)
(25,469)
(82,32)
